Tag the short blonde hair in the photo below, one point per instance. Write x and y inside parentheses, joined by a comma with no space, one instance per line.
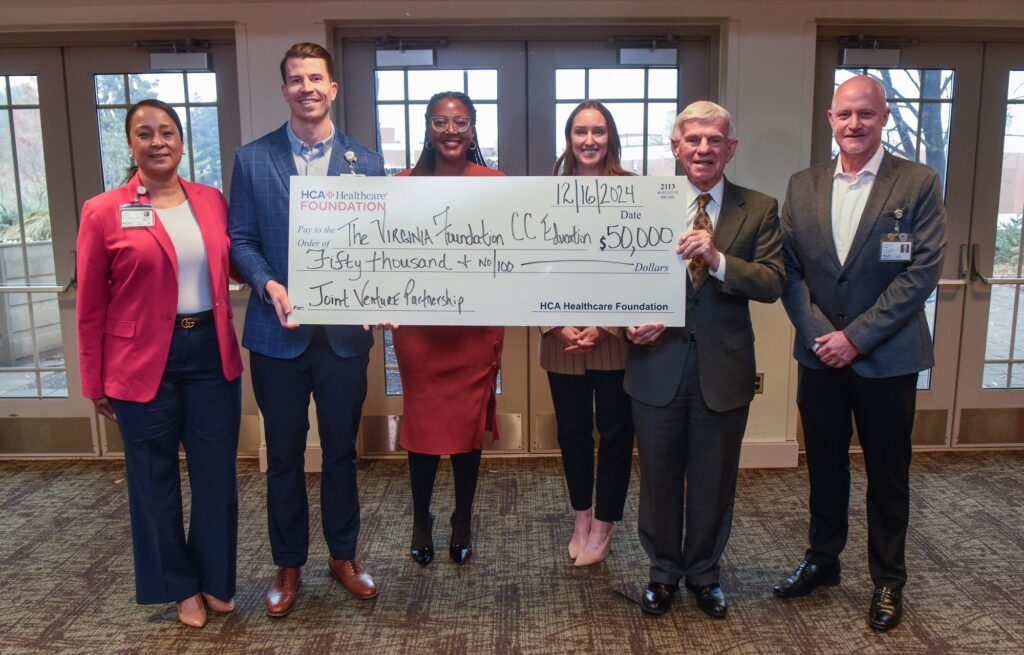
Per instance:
(703,110)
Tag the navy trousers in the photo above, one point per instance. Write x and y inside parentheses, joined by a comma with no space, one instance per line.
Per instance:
(282,388)
(197,407)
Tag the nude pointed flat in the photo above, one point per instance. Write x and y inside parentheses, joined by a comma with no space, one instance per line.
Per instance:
(192,612)
(218,605)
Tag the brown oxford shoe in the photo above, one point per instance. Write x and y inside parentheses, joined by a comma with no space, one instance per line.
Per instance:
(280,597)
(353,577)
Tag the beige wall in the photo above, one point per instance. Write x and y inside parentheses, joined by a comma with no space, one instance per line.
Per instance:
(766,69)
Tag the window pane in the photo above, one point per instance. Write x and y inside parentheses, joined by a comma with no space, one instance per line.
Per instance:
(994,376)
(417,130)
(900,134)
(924,380)
(423,84)
(109,89)
(483,84)
(114,154)
(629,118)
(937,84)
(562,111)
(1007,253)
(3,89)
(1000,315)
(390,85)
(1015,89)
(392,378)
(487,132)
(899,83)
(24,90)
(202,87)
(660,118)
(1018,339)
(54,384)
(206,146)
(616,83)
(35,203)
(570,83)
(184,167)
(18,385)
(662,82)
(391,125)
(8,189)
(934,149)
(169,87)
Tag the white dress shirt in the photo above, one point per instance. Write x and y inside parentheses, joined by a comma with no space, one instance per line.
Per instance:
(713,208)
(850,191)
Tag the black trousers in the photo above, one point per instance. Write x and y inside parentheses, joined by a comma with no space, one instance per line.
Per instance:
(283,388)
(579,400)
(884,411)
(689,461)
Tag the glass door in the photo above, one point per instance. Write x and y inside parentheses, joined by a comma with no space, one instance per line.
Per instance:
(102,82)
(40,391)
(990,399)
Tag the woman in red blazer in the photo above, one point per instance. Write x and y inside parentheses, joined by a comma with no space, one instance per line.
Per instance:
(448,373)
(159,356)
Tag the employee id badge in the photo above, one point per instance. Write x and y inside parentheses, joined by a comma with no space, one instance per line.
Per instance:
(137,216)
(896,247)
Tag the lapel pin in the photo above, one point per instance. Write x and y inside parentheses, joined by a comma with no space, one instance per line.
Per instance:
(898,214)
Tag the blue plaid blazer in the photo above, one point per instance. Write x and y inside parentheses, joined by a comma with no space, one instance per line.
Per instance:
(258,226)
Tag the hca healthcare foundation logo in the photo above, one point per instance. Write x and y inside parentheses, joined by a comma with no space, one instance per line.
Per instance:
(319,200)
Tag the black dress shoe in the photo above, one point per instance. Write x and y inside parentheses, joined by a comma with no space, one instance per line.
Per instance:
(710,599)
(459,552)
(657,598)
(807,578)
(424,554)
(886,608)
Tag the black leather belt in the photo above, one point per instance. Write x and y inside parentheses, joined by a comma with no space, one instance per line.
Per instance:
(189,321)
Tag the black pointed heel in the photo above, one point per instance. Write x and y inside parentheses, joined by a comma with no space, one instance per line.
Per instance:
(459,552)
(424,555)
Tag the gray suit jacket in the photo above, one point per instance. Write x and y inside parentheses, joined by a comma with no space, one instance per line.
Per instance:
(878,305)
(748,236)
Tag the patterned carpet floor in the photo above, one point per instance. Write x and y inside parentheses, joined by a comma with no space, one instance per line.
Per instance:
(67,584)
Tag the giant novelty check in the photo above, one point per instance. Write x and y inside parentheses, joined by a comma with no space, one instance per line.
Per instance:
(486,250)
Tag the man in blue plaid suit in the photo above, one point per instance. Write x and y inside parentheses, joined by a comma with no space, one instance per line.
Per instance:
(290,361)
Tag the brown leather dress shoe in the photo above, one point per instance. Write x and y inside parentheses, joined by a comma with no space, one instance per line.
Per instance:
(280,597)
(353,577)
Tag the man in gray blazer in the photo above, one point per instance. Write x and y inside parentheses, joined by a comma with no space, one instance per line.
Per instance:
(691,387)
(864,238)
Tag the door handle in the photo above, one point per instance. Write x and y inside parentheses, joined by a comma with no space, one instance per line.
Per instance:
(961,268)
(990,281)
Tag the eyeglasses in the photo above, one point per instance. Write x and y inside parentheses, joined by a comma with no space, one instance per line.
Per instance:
(460,123)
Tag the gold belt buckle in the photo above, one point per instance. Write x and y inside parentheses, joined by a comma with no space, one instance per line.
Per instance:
(188,322)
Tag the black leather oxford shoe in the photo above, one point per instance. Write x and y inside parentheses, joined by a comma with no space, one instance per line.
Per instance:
(807,578)
(710,599)
(886,608)
(657,598)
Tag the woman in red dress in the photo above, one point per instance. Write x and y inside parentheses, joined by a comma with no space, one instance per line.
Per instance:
(449,373)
